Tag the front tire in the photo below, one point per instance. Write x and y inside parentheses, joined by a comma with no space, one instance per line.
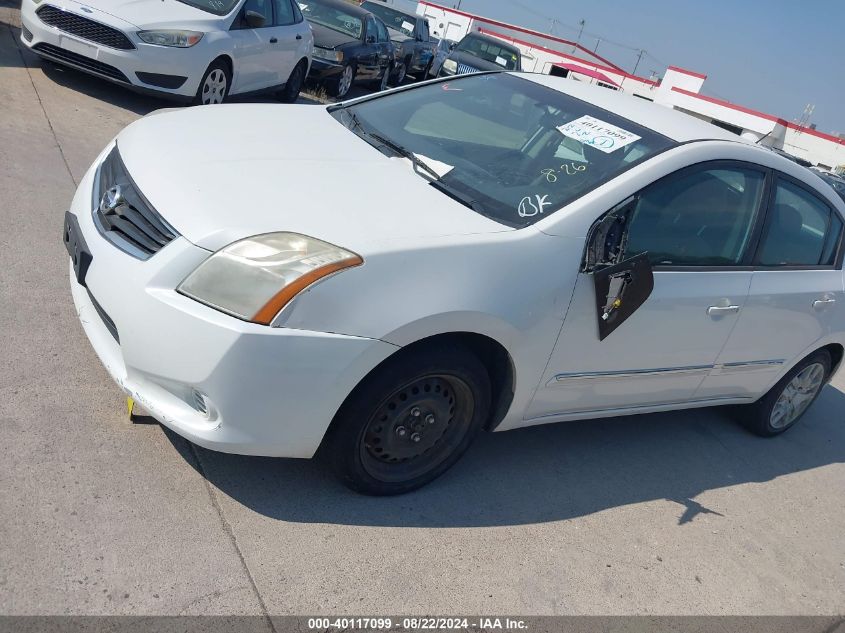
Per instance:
(409,421)
(786,402)
(215,84)
(339,87)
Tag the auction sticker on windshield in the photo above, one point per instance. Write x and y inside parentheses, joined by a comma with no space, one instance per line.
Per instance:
(589,130)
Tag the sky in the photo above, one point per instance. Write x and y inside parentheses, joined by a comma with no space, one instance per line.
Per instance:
(770,55)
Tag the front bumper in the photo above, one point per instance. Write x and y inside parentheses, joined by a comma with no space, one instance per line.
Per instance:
(322,69)
(158,70)
(267,391)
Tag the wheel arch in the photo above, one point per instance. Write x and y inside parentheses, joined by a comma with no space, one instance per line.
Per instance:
(836,351)
(493,355)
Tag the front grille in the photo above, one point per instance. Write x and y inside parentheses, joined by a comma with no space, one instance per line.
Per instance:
(463,69)
(124,216)
(84,28)
(80,61)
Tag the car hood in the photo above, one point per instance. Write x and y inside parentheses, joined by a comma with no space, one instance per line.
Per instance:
(151,13)
(221,173)
(324,37)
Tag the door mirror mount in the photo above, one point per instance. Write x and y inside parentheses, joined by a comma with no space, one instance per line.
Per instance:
(371,39)
(620,290)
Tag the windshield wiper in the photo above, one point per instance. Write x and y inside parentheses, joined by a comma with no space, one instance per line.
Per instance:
(417,162)
(406,153)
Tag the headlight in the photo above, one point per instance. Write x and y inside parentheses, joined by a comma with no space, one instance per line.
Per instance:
(255,278)
(330,55)
(180,39)
(450,66)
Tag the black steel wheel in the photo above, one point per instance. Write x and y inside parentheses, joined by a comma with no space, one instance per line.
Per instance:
(409,421)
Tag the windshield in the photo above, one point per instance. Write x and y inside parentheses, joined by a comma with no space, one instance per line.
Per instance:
(488,51)
(395,20)
(217,7)
(518,150)
(331,17)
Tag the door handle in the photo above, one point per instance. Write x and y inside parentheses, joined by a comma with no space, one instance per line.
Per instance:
(720,310)
(818,304)
(273,40)
(298,36)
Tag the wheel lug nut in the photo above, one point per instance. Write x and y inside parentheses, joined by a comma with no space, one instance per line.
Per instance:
(415,412)
(429,419)
(416,437)
(401,431)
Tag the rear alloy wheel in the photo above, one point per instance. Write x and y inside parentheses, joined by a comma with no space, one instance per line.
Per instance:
(409,421)
(790,398)
(343,83)
(293,86)
(215,84)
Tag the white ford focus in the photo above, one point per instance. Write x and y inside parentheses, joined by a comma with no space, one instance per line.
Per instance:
(200,50)
(382,279)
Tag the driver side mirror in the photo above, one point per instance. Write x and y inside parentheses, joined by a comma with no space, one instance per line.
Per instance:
(254,19)
(452,46)
(371,39)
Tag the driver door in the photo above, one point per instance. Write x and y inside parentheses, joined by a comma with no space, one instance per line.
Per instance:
(665,277)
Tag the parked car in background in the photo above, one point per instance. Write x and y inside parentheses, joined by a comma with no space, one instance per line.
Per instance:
(441,52)
(480,52)
(350,45)
(412,43)
(836,182)
(539,250)
(192,50)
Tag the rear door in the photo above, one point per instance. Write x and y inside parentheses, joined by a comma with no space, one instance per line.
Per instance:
(696,227)
(283,44)
(796,293)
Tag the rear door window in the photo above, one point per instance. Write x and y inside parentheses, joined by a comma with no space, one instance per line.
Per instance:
(801,229)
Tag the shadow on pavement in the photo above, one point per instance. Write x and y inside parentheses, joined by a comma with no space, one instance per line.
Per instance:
(547,473)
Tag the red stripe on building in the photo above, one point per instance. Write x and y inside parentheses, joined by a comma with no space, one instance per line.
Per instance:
(762,115)
(684,71)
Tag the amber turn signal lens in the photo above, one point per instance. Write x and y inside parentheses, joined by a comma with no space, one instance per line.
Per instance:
(270,309)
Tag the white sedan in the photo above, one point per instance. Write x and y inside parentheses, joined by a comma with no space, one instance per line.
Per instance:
(384,278)
(190,50)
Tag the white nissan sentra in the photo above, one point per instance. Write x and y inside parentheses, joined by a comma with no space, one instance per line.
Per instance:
(383,279)
(200,50)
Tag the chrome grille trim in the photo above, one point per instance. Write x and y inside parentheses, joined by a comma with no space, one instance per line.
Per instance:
(134,226)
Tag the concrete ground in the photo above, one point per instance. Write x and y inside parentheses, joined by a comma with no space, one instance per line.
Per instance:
(681,513)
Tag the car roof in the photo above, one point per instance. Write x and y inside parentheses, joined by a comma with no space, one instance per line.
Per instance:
(492,40)
(343,5)
(673,124)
